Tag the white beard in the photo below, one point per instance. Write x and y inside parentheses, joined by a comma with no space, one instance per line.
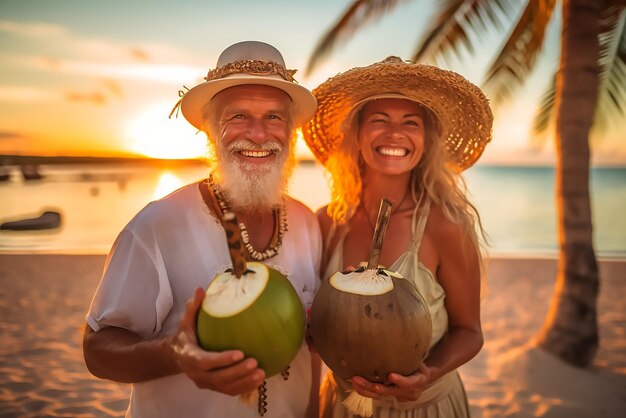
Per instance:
(250,186)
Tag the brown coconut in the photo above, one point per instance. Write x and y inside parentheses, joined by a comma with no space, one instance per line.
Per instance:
(369,323)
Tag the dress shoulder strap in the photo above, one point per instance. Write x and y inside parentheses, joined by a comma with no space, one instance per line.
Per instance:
(419,223)
(331,238)
(335,237)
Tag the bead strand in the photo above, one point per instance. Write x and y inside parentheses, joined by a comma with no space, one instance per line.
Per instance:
(280,222)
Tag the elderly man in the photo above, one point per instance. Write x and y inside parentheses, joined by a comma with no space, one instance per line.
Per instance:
(141,324)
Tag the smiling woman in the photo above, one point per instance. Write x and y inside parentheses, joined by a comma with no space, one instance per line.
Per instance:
(152,134)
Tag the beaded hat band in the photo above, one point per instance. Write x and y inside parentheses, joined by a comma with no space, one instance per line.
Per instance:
(252,67)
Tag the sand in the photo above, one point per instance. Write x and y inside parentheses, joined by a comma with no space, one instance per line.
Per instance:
(511,377)
(43,299)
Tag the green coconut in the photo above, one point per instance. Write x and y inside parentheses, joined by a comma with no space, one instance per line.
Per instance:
(258,313)
(369,323)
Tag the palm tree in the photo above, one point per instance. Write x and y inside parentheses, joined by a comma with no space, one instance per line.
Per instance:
(588,90)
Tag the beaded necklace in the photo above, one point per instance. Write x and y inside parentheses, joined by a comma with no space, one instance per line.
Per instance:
(280,226)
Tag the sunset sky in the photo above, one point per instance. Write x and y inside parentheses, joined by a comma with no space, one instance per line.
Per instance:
(100,78)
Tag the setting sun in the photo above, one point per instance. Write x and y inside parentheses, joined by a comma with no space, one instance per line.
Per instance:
(152,134)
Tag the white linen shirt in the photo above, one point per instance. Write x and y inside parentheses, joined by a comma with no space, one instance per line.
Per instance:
(171,247)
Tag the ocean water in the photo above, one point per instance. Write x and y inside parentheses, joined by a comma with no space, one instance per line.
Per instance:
(517,204)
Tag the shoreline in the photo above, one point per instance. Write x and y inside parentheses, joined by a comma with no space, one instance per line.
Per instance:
(526,256)
(45,297)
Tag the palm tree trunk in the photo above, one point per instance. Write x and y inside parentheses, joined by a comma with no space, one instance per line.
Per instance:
(570,330)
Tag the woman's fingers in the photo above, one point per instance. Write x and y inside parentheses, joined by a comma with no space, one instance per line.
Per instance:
(403,388)
(365,387)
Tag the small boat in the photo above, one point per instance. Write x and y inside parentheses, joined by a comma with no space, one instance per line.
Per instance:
(5,174)
(47,220)
(31,172)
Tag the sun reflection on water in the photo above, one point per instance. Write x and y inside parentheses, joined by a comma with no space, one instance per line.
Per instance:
(166,184)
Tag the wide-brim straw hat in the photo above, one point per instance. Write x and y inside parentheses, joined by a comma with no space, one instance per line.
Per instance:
(248,62)
(462,112)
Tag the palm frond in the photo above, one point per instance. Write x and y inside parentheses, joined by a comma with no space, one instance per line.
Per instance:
(608,4)
(517,57)
(612,64)
(444,35)
(455,21)
(358,15)
(544,116)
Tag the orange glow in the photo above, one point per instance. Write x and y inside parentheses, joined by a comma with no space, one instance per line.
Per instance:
(167,183)
(152,134)
(302,150)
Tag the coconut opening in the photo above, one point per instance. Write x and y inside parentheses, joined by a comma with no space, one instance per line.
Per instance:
(228,295)
(367,282)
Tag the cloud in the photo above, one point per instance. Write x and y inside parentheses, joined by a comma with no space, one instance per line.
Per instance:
(113,87)
(59,38)
(107,89)
(140,54)
(51,63)
(95,97)
(68,53)
(26,94)
(60,41)
(114,71)
(10,135)
(13,142)
(32,29)
(101,95)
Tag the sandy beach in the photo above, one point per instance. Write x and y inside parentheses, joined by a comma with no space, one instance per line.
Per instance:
(43,299)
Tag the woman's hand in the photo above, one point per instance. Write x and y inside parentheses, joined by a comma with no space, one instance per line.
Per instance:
(404,388)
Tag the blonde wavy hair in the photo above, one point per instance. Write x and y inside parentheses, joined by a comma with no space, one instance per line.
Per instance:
(434,176)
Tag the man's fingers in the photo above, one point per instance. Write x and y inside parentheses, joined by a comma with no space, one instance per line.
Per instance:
(247,384)
(246,370)
(191,309)
(212,360)
(243,376)
(196,301)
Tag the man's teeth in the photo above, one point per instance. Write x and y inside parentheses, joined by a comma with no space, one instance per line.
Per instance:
(393,152)
(255,154)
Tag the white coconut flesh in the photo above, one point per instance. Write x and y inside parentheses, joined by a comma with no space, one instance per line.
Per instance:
(228,295)
(366,282)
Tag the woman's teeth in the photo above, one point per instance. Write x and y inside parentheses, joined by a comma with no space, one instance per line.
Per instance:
(393,152)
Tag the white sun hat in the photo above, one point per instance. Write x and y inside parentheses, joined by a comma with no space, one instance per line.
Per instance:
(248,62)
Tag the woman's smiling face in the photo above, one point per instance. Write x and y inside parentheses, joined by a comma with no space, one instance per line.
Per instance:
(391,135)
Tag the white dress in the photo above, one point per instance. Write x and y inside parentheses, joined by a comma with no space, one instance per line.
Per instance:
(170,248)
(444,398)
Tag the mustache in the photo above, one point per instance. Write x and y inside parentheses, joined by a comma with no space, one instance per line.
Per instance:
(246,144)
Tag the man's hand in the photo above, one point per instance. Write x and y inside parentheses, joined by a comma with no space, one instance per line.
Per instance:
(226,371)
